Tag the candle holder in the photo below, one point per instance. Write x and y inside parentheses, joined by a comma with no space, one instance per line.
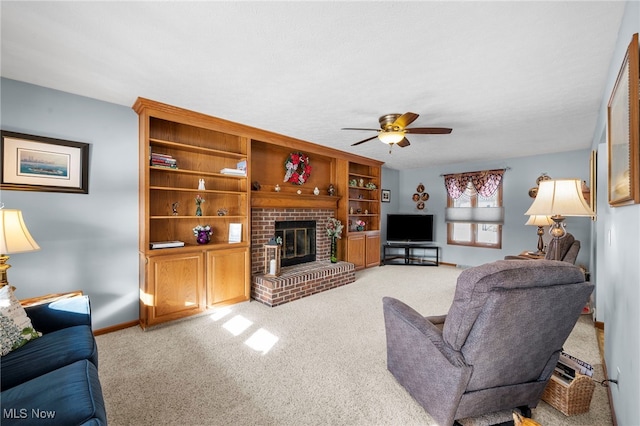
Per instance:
(272,260)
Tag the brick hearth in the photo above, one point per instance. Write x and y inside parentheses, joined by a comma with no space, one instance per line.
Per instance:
(295,281)
(299,281)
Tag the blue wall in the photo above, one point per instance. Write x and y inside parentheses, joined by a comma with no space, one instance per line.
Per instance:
(518,179)
(617,278)
(88,242)
(390,181)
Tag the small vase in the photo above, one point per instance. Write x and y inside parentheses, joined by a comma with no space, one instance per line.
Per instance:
(203,237)
(359,228)
(198,211)
(334,250)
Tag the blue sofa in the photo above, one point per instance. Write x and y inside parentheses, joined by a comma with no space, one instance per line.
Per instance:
(53,379)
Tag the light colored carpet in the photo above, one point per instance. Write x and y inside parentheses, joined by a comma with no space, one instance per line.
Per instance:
(320,360)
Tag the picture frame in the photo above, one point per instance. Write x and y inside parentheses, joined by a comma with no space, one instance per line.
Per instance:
(386,196)
(37,163)
(593,181)
(623,132)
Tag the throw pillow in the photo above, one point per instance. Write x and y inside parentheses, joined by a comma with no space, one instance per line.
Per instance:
(16,326)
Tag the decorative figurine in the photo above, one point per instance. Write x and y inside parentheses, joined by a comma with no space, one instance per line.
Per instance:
(316,191)
(331,190)
(199,200)
(174,208)
(361,183)
(201,184)
(277,188)
(222,211)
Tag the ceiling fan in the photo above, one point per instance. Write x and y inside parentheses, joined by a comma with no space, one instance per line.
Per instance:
(393,128)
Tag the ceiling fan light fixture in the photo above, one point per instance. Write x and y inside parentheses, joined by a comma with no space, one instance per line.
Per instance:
(391,137)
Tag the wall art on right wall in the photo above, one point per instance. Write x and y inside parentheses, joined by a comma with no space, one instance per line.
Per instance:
(623,132)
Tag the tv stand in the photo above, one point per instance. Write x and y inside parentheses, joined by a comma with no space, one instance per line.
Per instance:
(406,254)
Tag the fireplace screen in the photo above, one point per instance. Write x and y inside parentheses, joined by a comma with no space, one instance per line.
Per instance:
(298,241)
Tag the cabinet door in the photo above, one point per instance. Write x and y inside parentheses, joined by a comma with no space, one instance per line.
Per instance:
(175,287)
(228,276)
(373,250)
(356,249)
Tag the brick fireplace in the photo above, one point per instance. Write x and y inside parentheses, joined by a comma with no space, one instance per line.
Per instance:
(300,280)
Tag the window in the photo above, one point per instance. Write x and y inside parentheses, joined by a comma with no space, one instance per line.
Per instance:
(474,212)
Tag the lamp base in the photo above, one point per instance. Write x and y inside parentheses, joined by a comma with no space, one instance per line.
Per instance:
(557,231)
(540,251)
(3,270)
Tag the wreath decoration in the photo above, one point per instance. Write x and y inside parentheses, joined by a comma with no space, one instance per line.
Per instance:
(297,168)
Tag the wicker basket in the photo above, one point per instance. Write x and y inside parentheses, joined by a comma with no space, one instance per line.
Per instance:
(571,399)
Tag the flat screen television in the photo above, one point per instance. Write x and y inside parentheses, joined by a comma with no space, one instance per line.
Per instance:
(409,228)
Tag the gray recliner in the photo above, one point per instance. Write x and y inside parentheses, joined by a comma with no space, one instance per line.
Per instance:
(497,346)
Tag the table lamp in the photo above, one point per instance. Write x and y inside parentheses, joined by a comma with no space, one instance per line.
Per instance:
(14,238)
(559,198)
(540,221)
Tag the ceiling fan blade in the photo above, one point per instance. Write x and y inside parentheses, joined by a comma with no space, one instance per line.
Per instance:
(404,142)
(429,130)
(363,141)
(405,119)
(358,128)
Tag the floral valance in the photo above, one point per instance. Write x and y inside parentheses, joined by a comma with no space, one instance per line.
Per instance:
(485,182)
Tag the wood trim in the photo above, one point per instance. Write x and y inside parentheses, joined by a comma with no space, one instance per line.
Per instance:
(614,420)
(287,200)
(599,325)
(173,113)
(116,327)
(48,298)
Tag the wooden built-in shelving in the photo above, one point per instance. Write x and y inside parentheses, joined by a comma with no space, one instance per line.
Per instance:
(182,281)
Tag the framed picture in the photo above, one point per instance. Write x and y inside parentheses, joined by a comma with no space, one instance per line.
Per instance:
(36,163)
(386,196)
(623,132)
(593,180)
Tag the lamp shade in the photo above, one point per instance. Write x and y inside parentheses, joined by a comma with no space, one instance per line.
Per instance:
(560,197)
(14,235)
(391,137)
(539,220)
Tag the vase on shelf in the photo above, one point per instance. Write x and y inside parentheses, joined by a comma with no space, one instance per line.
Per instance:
(203,237)
(198,211)
(334,250)
(359,228)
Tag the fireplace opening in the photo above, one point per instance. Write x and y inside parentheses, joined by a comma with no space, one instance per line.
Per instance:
(298,241)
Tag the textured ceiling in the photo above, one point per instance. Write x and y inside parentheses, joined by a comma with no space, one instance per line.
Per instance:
(511,78)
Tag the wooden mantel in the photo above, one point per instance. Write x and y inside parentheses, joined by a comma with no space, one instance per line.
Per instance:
(293,200)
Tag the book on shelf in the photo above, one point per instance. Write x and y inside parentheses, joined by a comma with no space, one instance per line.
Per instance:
(159,155)
(166,244)
(236,172)
(163,160)
(168,166)
(235,232)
